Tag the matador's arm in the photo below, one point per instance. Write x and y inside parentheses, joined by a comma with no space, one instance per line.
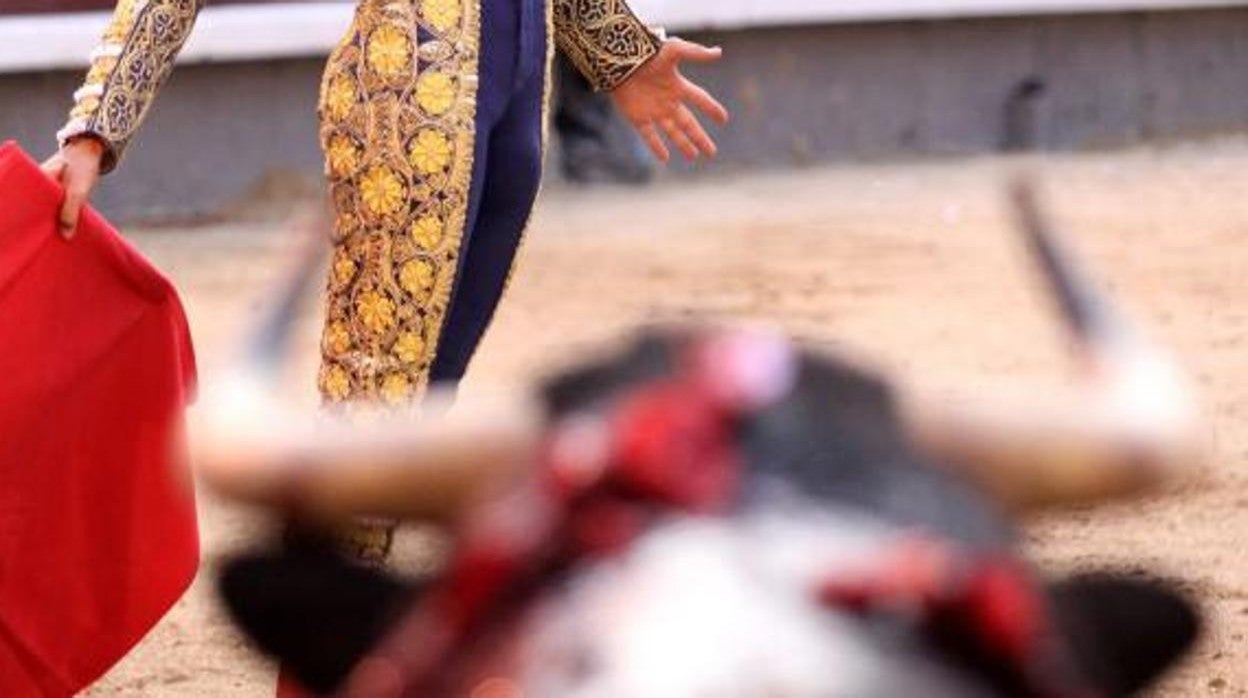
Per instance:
(604,39)
(128,68)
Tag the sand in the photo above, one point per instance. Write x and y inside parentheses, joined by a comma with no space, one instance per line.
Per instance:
(911,265)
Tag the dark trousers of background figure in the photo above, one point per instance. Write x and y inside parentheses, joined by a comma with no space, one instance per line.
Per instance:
(507,171)
(595,143)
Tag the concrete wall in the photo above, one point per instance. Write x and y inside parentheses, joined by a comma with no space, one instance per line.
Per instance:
(216,133)
(801,95)
(879,90)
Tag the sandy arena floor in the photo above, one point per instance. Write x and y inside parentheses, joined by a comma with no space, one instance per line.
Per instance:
(912,265)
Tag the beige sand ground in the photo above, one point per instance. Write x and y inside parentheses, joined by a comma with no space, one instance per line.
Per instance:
(911,264)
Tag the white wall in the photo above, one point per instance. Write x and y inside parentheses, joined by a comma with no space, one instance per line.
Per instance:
(235,33)
(703,14)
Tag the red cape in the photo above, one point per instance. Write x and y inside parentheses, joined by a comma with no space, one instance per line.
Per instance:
(98,534)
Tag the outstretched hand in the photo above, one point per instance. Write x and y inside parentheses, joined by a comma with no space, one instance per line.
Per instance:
(77,168)
(656,99)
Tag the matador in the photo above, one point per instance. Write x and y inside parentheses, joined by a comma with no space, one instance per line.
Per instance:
(432,120)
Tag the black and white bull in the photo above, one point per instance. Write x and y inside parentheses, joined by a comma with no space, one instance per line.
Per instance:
(717,513)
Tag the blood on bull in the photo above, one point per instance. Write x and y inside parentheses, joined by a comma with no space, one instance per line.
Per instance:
(720,512)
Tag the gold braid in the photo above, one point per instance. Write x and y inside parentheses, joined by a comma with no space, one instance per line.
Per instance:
(128,68)
(603,39)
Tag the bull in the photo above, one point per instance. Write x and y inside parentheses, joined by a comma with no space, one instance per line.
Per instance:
(717,512)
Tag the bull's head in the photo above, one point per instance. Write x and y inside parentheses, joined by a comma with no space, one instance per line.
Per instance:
(1126,427)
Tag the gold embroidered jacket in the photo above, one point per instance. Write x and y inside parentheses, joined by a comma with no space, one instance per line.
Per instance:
(603,38)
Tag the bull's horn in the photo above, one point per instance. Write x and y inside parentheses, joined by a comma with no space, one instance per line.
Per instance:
(1086,314)
(1128,425)
(330,470)
(251,446)
(268,346)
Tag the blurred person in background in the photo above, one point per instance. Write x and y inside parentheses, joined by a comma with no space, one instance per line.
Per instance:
(433,120)
(595,144)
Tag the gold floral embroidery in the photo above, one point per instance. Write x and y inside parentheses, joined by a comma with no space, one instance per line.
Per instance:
(396,388)
(604,39)
(382,191)
(375,311)
(344,269)
(337,338)
(427,232)
(339,97)
(336,383)
(441,14)
(389,51)
(342,155)
(133,60)
(399,216)
(409,348)
(435,92)
(417,278)
(430,152)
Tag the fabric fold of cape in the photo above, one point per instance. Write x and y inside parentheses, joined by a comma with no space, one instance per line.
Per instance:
(98,532)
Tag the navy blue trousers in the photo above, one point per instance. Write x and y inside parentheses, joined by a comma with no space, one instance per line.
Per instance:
(507,171)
